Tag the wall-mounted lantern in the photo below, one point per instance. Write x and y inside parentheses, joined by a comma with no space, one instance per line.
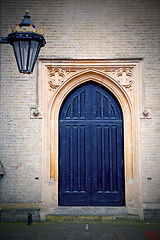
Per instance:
(26,42)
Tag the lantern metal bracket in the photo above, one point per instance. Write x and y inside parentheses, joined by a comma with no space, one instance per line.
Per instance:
(4,40)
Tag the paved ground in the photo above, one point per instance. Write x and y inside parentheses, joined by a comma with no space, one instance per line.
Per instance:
(76,231)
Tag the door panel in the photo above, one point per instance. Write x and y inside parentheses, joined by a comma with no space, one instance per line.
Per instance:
(91,148)
(74,164)
(107,160)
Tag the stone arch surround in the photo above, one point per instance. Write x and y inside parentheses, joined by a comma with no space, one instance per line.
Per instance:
(55,84)
(117,90)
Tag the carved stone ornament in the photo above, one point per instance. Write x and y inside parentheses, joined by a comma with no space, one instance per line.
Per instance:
(124,77)
(1,170)
(35,113)
(146,114)
(56,77)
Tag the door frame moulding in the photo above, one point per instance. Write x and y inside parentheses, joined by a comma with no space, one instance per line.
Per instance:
(124,78)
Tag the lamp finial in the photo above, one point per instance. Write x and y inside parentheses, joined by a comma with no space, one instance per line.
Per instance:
(27,12)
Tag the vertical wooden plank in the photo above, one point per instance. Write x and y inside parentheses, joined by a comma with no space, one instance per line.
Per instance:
(82,159)
(75,158)
(71,159)
(82,105)
(68,112)
(99,157)
(105,107)
(78,158)
(112,111)
(98,104)
(114,158)
(103,159)
(110,157)
(107,159)
(120,157)
(67,158)
(75,107)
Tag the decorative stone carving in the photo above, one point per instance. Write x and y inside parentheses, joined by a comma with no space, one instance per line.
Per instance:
(146,114)
(35,113)
(56,77)
(1,170)
(124,76)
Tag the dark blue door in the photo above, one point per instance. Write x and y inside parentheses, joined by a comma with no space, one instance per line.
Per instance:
(91,148)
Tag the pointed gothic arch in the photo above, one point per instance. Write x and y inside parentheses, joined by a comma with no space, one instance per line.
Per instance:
(117,90)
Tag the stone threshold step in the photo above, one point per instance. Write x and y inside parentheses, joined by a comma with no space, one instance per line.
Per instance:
(90,218)
(87,210)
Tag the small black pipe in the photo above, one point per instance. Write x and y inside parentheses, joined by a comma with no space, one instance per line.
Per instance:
(29,219)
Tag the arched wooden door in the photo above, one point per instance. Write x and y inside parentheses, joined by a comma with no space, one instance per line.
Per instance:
(91,148)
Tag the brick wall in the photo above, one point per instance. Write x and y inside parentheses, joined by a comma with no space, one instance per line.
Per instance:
(96,29)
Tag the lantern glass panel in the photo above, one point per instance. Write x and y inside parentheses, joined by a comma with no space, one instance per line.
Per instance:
(34,51)
(16,49)
(24,51)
